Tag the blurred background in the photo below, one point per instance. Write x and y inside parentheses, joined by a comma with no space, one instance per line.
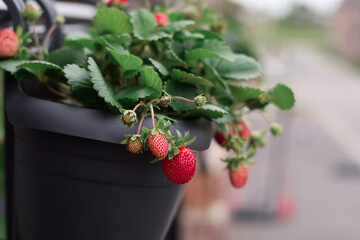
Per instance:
(306,183)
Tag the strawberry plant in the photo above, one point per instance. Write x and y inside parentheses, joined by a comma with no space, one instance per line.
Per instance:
(165,65)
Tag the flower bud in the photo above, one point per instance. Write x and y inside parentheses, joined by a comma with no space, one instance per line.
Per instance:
(165,101)
(200,100)
(129,118)
(9,43)
(264,98)
(31,13)
(59,20)
(257,138)
(276,129)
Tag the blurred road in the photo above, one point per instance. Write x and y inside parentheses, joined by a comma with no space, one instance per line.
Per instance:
(317,161)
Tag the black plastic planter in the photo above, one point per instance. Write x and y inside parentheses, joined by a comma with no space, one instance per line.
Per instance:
(73,181)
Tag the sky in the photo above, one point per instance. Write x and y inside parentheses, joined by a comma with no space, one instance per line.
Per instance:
(278,8)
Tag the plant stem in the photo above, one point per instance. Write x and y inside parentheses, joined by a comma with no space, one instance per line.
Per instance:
(184,99)
(138,105)
(51,89)
(36,37)
(47,38)
(267,119)
(140,123)
(31,52)
(152,115)
(147,4)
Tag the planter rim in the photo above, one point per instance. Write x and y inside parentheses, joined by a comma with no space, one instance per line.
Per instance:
(34,113)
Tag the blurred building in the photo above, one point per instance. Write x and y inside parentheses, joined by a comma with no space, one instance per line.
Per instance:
(347,22)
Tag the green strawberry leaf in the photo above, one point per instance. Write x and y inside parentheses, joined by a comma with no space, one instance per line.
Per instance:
(195,55)
(208,34)
(217,48)
(244,93)
(175,26)
(176,88)
(228,117)
(80,43)
(282,96)
(210,111)
(125,61)
(129,95)
(161,68)
(242,68)
(149,77)
(190,78)
(144,23)
(176,50)
(100,85)
(80,84)
(214,76)
(114,43)
(38,68)
(112,20)
(11,65)
(64,56)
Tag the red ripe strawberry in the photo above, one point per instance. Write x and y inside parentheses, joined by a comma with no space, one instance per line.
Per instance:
(220,137)
(134,145)
(181,168)
(117,1)
(287,205)
(9,44)
(238,177)
(245,132)
(158,145)
(162,19)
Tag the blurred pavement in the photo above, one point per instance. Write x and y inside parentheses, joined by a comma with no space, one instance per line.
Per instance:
(317,160)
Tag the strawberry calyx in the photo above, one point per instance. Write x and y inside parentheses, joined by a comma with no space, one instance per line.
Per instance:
(181,141)
(233,163)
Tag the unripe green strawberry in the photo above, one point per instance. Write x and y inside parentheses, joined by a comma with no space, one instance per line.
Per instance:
(9,43)
(165,101)
(60,20)
(238,177)
(129,118)
(276,129)
(181,168)
(200,100)
(31,13)
(135,144)
(158,145)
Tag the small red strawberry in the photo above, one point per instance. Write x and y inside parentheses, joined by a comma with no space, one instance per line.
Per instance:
(134,144)
(287,206)
(220,137)
(162,19)
(158,145)
(181,168)
(238,177)
(9,44)
(245,132)
(117,1)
